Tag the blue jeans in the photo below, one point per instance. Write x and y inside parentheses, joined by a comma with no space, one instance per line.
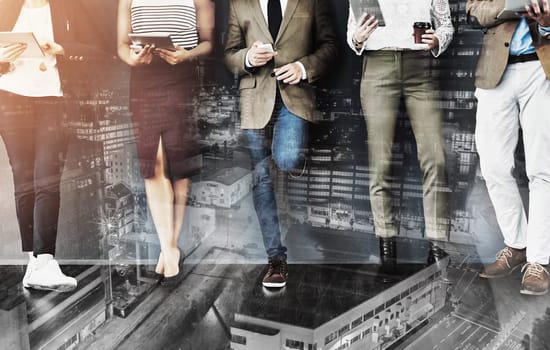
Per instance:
(287,148)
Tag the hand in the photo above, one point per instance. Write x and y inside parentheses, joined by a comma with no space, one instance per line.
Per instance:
(259,57)
(290,73)
(367,25)
(541,15)
(142,57)
(174,57)
(10,52)
(430,39)
(52,48)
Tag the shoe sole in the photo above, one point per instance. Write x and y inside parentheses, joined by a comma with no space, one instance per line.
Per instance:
(483,275)
(529,292)
(274,285)
(59,288)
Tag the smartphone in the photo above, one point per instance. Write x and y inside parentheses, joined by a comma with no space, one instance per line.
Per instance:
(269,47)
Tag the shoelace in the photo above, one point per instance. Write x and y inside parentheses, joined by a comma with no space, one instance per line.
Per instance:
(277,266)
(505,253)
(533,269)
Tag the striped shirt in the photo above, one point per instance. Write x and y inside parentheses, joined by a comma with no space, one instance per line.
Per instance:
(175,17)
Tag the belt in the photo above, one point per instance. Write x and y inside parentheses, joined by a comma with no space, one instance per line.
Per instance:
(523,58)
(393,48)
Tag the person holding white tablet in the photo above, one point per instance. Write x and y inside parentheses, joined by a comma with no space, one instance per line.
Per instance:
(161,87)
(31,125)
(397,66)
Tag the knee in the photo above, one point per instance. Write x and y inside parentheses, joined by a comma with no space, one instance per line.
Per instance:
(159,169)
(23,172)
(261,175)
(288,160)
(433,161)
(494,171)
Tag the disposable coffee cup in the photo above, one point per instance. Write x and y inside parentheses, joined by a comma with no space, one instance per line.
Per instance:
(419,29)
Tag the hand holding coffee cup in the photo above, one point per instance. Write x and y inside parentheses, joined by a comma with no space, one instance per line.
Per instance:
(424,34)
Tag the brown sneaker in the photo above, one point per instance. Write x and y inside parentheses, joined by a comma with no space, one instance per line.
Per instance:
(507,260)
(276,274)
(535,279)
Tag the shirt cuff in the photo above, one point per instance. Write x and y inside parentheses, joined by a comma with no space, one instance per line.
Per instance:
(544,31)
(304,73)
(436,51)
(247,61)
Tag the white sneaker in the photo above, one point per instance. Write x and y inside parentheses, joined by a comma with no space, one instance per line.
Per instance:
(31,266)
(50,277)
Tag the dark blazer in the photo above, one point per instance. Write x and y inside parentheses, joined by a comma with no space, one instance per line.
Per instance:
(493,58)
(71,28)
(306,35)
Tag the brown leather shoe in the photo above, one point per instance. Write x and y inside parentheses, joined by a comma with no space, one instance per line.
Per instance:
(276,274)
(507,260)
(535,279)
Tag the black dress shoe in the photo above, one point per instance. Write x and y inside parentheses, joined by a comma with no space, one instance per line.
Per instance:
(175,280)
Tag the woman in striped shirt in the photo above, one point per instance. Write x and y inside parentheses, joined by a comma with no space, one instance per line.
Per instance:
(161,86)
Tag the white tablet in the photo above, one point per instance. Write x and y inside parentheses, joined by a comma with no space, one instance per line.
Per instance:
(33,49)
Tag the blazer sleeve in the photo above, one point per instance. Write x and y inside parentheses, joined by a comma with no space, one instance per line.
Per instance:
(326,47)
(235,47)
(485,11)
(80,36)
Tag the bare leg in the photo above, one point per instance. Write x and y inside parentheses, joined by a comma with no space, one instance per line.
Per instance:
(160,197)
(181,192)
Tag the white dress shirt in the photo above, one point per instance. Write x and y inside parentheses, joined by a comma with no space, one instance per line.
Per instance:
(400,16)
(263,6)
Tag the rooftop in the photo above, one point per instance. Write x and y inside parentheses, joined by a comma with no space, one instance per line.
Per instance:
(317,293)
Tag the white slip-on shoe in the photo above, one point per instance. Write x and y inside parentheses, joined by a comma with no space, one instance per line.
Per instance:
(50,277)
(31,266)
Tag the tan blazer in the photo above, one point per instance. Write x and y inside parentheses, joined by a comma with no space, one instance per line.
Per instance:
(306,35)
(494,54)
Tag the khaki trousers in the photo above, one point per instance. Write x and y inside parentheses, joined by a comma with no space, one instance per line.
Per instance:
(388,76)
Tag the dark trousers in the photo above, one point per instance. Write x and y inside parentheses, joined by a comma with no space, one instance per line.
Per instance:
(36,142)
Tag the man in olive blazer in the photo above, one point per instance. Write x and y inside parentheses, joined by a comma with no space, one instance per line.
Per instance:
(276,95)
(513,91)
(306,35)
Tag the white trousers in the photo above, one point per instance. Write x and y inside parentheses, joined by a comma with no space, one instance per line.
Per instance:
(521,99)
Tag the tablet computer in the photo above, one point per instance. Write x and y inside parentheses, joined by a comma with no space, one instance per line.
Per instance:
(372,7)
(160,40)
(513,9)
(33,49)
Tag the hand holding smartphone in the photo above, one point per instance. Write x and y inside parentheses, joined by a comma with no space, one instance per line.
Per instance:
(267,47)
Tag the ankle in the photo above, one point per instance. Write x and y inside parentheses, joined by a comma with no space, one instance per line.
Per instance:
(43,259)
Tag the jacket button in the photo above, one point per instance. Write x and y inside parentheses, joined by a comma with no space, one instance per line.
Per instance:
(506,44)
(81,58)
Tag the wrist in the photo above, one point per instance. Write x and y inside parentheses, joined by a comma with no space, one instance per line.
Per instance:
(6,67)
(544,30)
(356,42)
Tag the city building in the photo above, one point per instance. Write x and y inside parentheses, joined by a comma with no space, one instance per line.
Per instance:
(224,189)
(335,307)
